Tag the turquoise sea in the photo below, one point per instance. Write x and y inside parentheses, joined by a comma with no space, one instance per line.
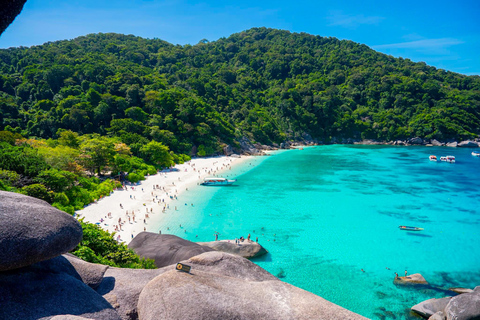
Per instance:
(327,212)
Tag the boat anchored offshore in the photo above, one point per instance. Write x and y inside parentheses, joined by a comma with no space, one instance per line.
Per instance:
(407,228)
(450,159)
(475,154)
(433,158)
(217,182)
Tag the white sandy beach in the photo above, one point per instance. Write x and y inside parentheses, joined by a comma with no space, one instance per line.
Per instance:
(147,200)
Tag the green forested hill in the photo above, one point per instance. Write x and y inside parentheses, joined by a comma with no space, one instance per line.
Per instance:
(269,85)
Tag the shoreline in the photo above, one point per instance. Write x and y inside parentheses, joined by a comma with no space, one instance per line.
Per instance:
(141,207)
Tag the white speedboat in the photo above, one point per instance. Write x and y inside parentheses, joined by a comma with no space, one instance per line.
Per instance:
(433,158)
(217,182)
(450,159)
(475,154)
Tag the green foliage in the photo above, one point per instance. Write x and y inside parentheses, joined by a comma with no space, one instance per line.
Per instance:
(56,180)
(157,153)
(23,159)
(10,178)
(38,191)
(268,85)
(99,246)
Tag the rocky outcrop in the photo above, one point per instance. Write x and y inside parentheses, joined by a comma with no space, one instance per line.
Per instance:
(430,307)
(165,249)
(90,273)
(436,143)
(440,315)
(247,147)
(460,290)
(229,265)
(247,249)
(8,11)
(31,230)
(203,294)
(453,144)
(122,287)
(412,279)
(228,150)
(47,289)
(464,307)
(416,141)
(468,144)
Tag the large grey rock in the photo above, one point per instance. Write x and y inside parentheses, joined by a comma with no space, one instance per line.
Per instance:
(122,287)
(228,150)
(440,315)
(464,307)
(229,265)
(436,143)
(453,144)
(415,141)
(204,295)
(165,249)
(460,290)
(429,307)
(412,279)
(37,292)
(31,230)
(90,273)
(468,144)
(246,249)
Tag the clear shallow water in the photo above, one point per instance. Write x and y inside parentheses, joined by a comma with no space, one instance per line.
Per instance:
(329,211)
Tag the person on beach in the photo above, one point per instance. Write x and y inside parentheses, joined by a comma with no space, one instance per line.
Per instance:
(405,273)
(396,275)
(248,237)
(256,240)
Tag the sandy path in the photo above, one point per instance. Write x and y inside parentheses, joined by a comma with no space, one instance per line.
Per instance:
(144,202)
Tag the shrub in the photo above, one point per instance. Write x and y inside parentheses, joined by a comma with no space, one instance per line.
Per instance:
(38,191)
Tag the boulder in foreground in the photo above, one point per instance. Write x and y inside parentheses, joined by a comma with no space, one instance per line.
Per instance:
(202,294)
(47,289)
(464,307)
(430,307)
(165,249)
(31,230)
(247,249)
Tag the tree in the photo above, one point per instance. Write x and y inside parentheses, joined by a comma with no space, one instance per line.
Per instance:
(97,152)
(157,153)
(38,191)
(69,138)
(56,180)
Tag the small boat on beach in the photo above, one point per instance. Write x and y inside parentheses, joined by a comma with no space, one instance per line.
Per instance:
(433,158)
(217,182)
(407,228)
(475,154)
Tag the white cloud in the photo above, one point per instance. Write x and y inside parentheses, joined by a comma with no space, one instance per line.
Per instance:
(337,18)
(440,43)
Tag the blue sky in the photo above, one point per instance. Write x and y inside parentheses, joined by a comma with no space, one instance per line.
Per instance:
(445,34)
